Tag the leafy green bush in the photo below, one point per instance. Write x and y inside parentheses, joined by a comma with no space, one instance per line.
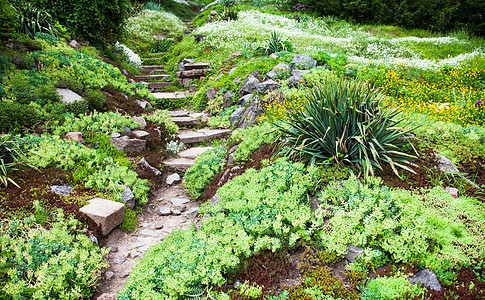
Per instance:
(273,215)
(95,99)
(206,166)
(252,138)
(161,117)
(107,122)
(219,122)
(8,20)
(58,263)
(389,288)
(15,117)
(342,123)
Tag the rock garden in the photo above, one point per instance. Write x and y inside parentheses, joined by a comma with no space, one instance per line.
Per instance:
(274,150)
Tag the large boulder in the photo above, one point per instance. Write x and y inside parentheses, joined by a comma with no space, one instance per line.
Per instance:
(249,85)
(126,144)
(68,96)
(268,85)
(303,62)
(427,279)
(251,113)
(245,99)
(278,69)
(236,116)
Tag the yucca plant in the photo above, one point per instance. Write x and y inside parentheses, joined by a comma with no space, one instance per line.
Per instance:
(342,123)
(33,20)
(12,156)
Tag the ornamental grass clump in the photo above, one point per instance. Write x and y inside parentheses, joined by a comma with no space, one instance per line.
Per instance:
(342,123)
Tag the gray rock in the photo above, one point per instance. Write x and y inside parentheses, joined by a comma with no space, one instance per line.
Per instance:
(74,43)
(119,259)
(230,158)
(251,113)
(245,99)
(148,232)
(249,85)
(232,71)
(299,72)
(303,62)
(158,225)
(115,135)
(176,212)
(236,116)
(180,208)
(179,201)
(68,96)
(126,144)
(218,76)
(188,61)
(194,152)
(215,200)
(446,165)
(353,253)
(181,66)
(141,134)
(427,278)
(192,88)
(109,274)
(452,191)
(63,190)
(113,249)
(163,210)
(268,85)
(127,129)
(144,104)
(125,274)
(145,164)
(199,37)
(211,94)
(192,213)
(128,198)
(278,69)
(107,214)
(106,296)
(172,179)
(296,80)
(256,73)
(146,225)
(237,79)
(139,244)
(228,99)
(141,122)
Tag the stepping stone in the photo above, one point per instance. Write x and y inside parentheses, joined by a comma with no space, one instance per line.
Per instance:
(178,113)
(107,214)
(163,210)
(158,85)
(152,77)
(193,153)
(179,201)
(179,164)
(152,67)
(169,95)
(193,73)
(197,65)
(148,232)
(185,121)
(191,137)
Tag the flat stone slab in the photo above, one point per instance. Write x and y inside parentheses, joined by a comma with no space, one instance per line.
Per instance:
(193,153)
(169,95)
(178,113)
(179,164)
(68,96)
(185,121)
(197,65)
(179,201)
(191,137)
(107,214)
(158,85)
(141,134)
(153,77)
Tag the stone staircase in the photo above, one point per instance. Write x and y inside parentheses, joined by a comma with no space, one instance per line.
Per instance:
(153,77)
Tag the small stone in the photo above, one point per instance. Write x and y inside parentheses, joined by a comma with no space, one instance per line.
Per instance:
(181,208)
(126,144)
(179,201)
(63,190)
(213,12)
(119,259)
(139,244)
(235,55)
(453,192)
(113,249)
(149,232)
(141,122)
(115,135)
(109,274)
(303,62)
(249,85)
(75,136)
(353,253)
(158,225)
(128,198)
(427,279)
(232,71)
(107,214)
(211,94)
(141,134)
(192,88)
(192,213)
(176,212)
(74,43)
(446,165)
(163,210)
(173,179)
(127,129)
(125,274)
(146,225)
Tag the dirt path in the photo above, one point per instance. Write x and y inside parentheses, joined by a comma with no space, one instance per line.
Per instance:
(128,248)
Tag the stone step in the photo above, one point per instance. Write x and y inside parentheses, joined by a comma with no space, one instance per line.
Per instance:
(193,73)
(152,77)
(169,95)
(178,113)
(197,65)
(185,121)
(190,137)
(179,164)
(193,153)
(158,85)
(152,67)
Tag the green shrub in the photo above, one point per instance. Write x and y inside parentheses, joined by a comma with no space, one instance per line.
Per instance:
(389,288)
(342,123)
(252,138)
(161,117)
(206,166)
(219,122)
(130,221)
(58,263)
(273,215)
(15,117)
(8,20)
(95,99)
(107,122)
